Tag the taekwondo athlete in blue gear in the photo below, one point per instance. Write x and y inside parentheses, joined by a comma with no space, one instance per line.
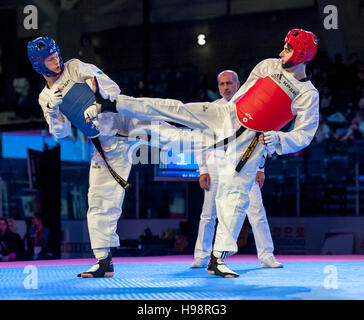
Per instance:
(64,101)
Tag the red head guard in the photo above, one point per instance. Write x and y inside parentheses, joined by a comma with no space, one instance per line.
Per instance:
(304,45)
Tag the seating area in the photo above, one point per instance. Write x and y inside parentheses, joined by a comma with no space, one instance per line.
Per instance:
(334,184)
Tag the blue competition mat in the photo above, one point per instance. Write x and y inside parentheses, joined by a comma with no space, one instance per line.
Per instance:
(302,280)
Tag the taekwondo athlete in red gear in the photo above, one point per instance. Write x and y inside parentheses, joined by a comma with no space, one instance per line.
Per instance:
(65,83)
(289,77)
(228,83)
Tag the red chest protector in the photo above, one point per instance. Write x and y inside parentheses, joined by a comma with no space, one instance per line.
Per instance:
(267,104)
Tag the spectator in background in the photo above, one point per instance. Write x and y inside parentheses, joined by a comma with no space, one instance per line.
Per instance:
(201,89)
(354,131)
(320,78)
(353,67)
(7,93)
(37,239)
(356,106)
(26,102)
(358,122)
(12,228)
(358,81)
(361,101)
(323,132)
(361,123)
(140,90)
(11,224)
(10,248)
(23,103)
(326,106)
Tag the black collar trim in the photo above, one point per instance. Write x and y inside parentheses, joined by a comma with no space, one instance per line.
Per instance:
(308,77)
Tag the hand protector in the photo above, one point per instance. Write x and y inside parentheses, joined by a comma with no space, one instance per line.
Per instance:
(55,99)
(271,138)
(92,112)
(103,122)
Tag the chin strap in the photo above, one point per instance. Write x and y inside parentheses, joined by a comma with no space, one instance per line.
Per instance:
(287,65)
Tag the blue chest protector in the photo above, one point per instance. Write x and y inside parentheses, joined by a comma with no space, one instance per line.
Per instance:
(75,101)
(74,104)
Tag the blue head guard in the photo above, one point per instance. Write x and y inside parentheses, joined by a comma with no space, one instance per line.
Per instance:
(39,49)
